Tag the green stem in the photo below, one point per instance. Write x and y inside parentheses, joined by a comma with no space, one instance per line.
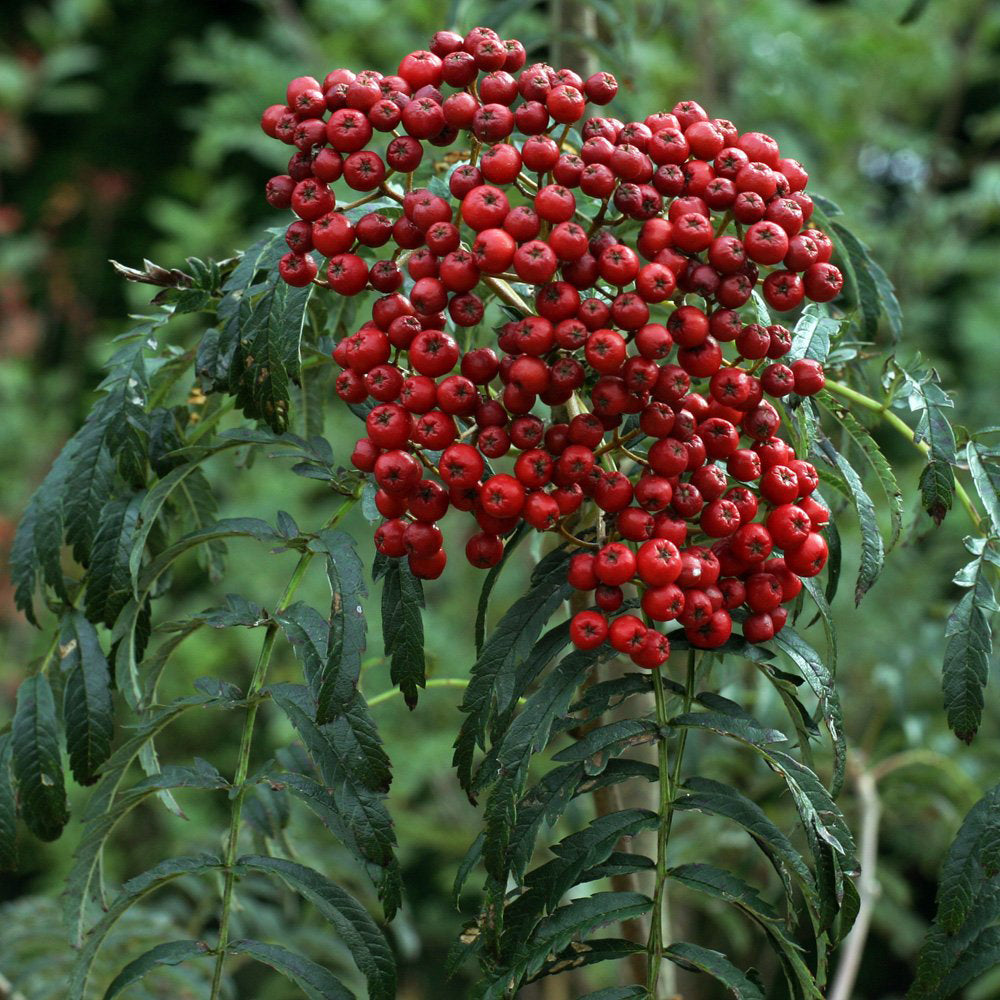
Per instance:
(898,424)
(246,739)
(669,782)
(434,682)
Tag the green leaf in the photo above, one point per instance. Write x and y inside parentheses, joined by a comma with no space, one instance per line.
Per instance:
(490,582)
(36,553)
(403,627)
(367,944)
(726,886)
(308,632)
(872,547)
(336,683)
(37,764)
(575,855)
(963,941)
(580,954)
(709,796)
(267,355)
(812,334)
(600,745)
(969,646)
(168,953)
(103,812)
(872,288)
(554,933)
(354,769)
(512,641)
(89,483)
(821,680)
(133,890)
(8,808)
(695,957)
(316,982)
(618,993)
(508,761)
(876,459)
(327,806)
(741,727)
(87,709)
(987,479)
(109,582)
(937,489)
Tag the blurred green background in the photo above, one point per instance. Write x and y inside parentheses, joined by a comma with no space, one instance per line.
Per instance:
(129,130)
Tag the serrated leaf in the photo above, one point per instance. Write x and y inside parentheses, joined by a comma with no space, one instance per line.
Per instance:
(987,479)
(133,890)
(103,811)
(315,981)
(490,582)
(726,886)
(507,762)
(366,943)
(109,582)
(168,953)
(600,745)
(813,334)
(37,549)
(354,769)
(267,355)
(554,933)
(859,265)
(89,483)
(579,954)
(36,760)
(87,709)
(705,795)
(714,963)
(575,855)
(876,459)
(810,664)
(325,804)
(618,993)
(741,727)
(403,627)
(872,547)
(937,489)
(336,683)
(968,648)
(8,808)
(963,940)
(511,643)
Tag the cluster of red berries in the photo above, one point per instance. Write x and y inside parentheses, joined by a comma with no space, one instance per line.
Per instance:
(587,370)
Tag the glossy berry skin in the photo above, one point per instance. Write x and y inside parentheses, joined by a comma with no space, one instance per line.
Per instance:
(629,395)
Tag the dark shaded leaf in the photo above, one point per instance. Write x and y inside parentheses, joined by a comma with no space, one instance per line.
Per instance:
(600,745)
(168,953)
(969,645)
(490,582)
(109,583)
(37,764)
(367,944)
(403,627)
(512,641)
(316,982)
(87,709)
(132,891)
(8,808)
(872,547)
(821,680)
(695,957)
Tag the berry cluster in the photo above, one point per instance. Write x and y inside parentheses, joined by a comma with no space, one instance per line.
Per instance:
(635,437)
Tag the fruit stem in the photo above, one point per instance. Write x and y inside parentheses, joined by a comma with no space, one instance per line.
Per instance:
(505,293)
(669,782)
(898,424)
(239,784)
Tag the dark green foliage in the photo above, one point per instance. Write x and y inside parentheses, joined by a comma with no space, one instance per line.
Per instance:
(402,626)
(168,953)
(37,766)
(316,982)
(87,710)
(963,941)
